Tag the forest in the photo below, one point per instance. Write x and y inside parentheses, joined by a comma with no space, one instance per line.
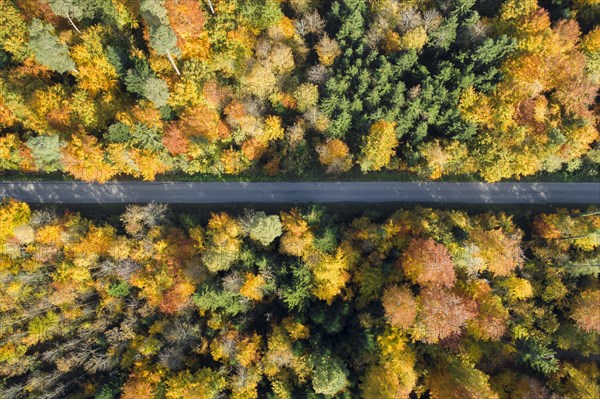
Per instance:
(105,89)
(304,303)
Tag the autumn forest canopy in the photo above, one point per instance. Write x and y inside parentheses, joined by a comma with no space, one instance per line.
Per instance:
(152,302)
(437,304)
(98,89)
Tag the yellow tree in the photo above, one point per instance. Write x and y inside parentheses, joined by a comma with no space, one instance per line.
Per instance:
(244,383)
(394,375)
(331,273)
(13,31)
(378,147)
(187,20)
(260,81)
(441,158)
(540,114)
(327,50)
(96,73)
(306,95)
(380,382)
(253,287)
(297,238)
(83,158)
(233,162)
(590,44)
(500,252)
(10,157)
(12,214)
(335,155)
(149,163)
(281,362)
(202,384)
(249,350)
(223,242)
(273,128)
(51,110)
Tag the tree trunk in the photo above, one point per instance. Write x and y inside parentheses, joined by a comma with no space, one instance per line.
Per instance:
(173,62)
(592,213)
(73,24)
(211,7)
(575,237)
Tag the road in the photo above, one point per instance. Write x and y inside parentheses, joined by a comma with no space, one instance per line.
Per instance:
(283,192)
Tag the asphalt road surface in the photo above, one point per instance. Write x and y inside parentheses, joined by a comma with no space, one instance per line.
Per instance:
(315,192)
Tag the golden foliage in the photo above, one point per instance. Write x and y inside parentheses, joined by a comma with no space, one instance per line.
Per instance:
(501,253)
(378,147)
(84,159)
(327,50)
(519,130)
(12,214)
(9,152)
(297,238)
(96,73)
(249,350)
(334,154)
(296,330)
(177,298)
(13,30)
(330,273)
(253,287)
(187,19)
(273,129)
(518,288)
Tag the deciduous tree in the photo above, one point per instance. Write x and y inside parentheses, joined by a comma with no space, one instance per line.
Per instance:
(400,306)
(378,147)
(297,237)
(13,31)
(442,313)
(457,379)
(335,155)
(264,229)
(428,263)
(188,19)
(327,49)
(203,384)
(585,310)
(223,242)
(48,49)
(329,375)
(83,158)
(501,253)
(96,73)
